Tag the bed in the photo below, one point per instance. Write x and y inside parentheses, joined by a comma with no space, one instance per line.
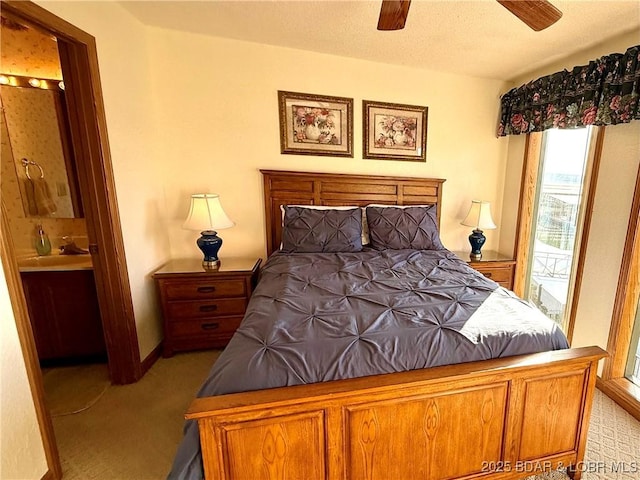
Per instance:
(383,363)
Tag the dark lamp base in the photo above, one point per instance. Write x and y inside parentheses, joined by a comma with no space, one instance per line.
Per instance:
(476,239)
(210,244)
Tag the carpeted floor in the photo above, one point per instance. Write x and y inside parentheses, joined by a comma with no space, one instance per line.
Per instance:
(88,384)
(614,439)
(131,432)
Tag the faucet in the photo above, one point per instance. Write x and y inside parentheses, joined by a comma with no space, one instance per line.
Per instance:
(70,247)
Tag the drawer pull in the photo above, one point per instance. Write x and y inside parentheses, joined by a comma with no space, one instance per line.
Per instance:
(208,308)
(206,289)
(487,274)
(210,326)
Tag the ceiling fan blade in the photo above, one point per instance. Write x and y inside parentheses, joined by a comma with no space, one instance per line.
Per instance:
(393,14)
(538,14)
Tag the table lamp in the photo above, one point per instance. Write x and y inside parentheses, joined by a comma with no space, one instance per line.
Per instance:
(479,217)
(207,215)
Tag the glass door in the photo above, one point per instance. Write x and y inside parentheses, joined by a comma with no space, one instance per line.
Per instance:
(557,221)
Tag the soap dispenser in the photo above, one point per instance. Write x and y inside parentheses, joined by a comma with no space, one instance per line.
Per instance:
(42,244)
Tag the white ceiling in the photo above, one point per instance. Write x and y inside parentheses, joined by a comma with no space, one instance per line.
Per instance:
(478,38)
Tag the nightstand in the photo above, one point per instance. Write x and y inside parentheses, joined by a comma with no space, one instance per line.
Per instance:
(499,268)
(202,309)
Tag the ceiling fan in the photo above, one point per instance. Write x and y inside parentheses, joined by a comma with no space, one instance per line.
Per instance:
(538,14)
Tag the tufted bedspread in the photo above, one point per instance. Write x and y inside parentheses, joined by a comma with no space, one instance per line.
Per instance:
(316,317)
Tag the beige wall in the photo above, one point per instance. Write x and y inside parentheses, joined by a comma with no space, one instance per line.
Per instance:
(618,170)
(618,44)
(219,115)
(22,450)
(616,183)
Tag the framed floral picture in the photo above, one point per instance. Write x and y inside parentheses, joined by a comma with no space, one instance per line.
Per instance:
(315,124)
(394,132)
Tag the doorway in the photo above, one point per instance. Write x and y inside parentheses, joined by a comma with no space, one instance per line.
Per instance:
(40,192)
(78,55)
(89,142)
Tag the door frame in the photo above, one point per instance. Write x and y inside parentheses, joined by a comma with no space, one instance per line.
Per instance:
(79,58)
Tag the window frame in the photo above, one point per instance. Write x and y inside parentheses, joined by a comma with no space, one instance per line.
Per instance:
(526,210)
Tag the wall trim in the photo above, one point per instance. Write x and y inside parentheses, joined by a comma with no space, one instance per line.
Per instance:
(150,359)
(526,203)
(623,392)
(49,476)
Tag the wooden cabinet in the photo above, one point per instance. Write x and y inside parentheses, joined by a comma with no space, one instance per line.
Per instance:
(65,316)
(499,268)
(202,309)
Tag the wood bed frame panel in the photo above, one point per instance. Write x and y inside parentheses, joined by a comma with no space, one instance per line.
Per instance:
(495,419)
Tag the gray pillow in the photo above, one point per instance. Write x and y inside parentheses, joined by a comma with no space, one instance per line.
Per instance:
(307,230)
(397,228)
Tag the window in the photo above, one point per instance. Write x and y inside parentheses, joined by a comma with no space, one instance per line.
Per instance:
(553,245)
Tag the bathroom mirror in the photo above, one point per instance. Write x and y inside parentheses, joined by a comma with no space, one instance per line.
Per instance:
(38,170)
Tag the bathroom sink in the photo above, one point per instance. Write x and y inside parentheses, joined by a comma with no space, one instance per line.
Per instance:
(55,263)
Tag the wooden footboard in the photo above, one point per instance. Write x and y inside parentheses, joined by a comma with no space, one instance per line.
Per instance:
(497,419)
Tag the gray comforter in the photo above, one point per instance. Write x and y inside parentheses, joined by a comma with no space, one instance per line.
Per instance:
(319,317)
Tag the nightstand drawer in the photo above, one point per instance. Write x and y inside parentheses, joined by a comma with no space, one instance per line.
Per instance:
(206,308)
(188,290)
(497,274)
(496,266)
(206,326)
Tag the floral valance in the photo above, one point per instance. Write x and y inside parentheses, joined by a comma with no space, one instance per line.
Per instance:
(604,92)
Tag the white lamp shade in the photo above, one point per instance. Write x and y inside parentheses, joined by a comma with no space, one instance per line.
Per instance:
(206,213)
(479,216)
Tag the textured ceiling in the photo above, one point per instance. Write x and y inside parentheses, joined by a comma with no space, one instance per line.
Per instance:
(478,38)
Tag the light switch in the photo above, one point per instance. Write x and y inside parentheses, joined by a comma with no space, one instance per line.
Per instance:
(61,187)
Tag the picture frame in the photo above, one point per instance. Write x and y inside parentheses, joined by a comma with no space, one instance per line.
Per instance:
(392,131)
(315,124)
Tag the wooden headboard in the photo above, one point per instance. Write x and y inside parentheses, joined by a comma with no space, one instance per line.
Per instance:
(306,188)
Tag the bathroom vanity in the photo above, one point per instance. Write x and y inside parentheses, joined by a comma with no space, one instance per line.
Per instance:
(63,307)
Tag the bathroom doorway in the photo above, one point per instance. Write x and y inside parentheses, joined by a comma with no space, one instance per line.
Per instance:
(41,195)
(89,141)
(87,125)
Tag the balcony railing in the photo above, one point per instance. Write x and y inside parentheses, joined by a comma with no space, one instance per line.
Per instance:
(553,265)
